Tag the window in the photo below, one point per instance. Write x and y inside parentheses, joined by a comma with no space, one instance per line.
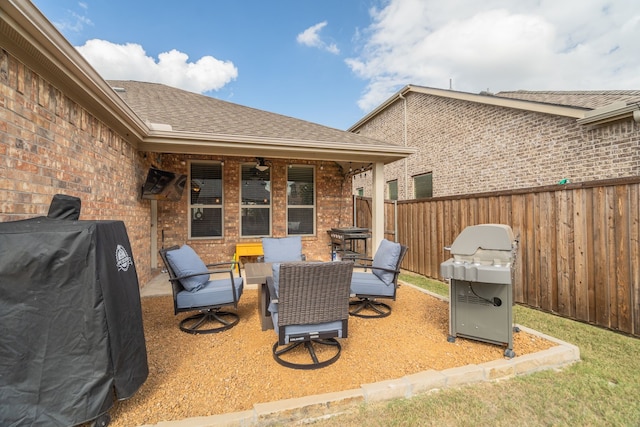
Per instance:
(423,185)
(301,200)
(205,202)
(392,190)
(255,201)
(360,191)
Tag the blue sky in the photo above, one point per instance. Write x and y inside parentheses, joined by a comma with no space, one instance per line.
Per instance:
(333,61)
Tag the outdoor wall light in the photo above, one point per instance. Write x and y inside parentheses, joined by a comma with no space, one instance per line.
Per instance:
(261,165)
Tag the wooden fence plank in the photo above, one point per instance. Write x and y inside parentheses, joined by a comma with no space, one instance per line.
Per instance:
(580,250)
(601,257)
(539,225)
(531,248)
(611,257)
(634,254)
(483,211)
(504,206)
(519,229)
(590,259)
(446,229)
(621,212)
(564,266)
(439,255)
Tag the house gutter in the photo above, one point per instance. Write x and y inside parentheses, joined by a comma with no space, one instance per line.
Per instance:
(239,145)
(612,112)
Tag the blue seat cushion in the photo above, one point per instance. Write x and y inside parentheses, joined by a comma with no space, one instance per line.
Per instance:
(213,292)
(185,261)
(386,257)
(370,284)
(307,329)
(282,249)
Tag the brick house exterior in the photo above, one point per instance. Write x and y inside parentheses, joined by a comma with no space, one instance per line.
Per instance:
(63,129)
(475,143)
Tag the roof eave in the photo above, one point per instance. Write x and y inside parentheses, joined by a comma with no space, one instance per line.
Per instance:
(610,113)
(33,40)
(533,106)
(235,145)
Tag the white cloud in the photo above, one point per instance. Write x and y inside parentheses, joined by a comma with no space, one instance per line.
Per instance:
(499,45)
(74,23)
(130,62)
(311,37)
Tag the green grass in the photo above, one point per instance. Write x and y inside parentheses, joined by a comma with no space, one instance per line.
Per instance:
(603,389)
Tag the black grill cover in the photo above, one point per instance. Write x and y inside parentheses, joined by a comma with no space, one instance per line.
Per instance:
(65,207)
(71,336)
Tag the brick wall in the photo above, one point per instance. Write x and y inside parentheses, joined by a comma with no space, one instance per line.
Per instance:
(334,207)
(473,148)
(49,144)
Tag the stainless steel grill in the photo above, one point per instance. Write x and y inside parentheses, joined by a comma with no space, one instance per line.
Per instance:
(480,285)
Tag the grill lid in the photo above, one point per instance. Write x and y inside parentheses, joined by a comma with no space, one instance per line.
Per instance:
(484,236)
(483,253)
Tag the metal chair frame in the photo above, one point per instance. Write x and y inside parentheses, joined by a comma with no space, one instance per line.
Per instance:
(212,316)
(367,305)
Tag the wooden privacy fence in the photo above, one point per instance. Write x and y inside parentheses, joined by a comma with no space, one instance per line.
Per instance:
(363,217)
(579,245)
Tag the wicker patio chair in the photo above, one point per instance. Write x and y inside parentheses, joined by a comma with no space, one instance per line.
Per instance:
(194,291)
(310,308)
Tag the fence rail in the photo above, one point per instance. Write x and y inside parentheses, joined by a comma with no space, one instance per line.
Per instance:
(579,244)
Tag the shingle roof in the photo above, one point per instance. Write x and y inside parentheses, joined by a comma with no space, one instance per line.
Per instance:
(191,112)
(585,99)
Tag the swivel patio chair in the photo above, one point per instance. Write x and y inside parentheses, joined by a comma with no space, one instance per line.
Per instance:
(310,308)
(194,291)
(380,283)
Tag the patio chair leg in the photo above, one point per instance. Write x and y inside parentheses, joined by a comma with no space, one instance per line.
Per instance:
(369,305)
(219,321)
(316,363)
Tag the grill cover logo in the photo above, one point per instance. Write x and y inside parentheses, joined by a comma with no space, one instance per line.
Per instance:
(123,260)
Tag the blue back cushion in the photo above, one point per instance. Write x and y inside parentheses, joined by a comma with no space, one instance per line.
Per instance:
(185,261)
(282,249)
(386,257)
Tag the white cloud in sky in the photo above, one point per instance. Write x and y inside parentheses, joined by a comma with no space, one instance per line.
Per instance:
(130,62)
(75,22)
(499,45)
(311,37)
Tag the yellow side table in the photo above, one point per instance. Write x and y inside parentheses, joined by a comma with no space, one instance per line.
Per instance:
(247,249)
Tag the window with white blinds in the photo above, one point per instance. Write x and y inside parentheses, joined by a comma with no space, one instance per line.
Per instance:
(255,204)
(301,200)
(205,201)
